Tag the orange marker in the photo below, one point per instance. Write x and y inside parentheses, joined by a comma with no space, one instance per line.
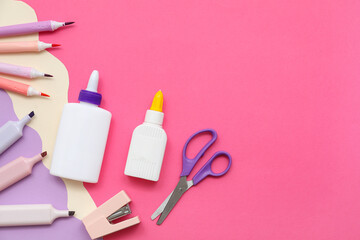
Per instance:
(20,88)
(31,46)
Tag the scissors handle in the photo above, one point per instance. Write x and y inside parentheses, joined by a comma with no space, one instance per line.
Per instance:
(206,169)
(188,163)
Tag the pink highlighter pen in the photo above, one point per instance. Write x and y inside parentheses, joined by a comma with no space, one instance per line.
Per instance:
(34,27)
(18,169)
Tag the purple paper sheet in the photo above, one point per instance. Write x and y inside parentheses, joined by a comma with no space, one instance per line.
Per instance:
(38,188)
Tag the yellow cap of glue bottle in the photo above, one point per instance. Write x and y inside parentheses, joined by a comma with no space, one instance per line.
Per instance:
(148,144)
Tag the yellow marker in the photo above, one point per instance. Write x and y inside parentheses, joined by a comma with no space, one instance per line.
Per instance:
(158,101)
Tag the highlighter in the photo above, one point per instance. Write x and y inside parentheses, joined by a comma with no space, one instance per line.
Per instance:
(12,131)
(148,144)
(18,169)
(31,214)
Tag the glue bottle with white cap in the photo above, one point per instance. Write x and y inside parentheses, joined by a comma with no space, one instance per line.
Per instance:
(82,136)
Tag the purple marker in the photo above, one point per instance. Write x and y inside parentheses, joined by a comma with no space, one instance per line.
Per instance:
(20,71)
(28,28)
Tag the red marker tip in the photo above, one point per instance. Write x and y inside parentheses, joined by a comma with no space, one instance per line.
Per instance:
(55,45)
(45,95)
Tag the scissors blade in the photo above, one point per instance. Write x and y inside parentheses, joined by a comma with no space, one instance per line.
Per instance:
(175,196)
(161,208)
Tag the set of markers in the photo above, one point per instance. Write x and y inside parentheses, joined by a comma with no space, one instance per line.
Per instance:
(30,46)
(16,170)
(10,132)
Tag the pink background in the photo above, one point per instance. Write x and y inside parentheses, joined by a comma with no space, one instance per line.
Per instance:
(278,80)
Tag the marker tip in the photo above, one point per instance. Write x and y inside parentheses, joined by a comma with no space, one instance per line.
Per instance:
(69,23)
(71,213)
(31,114)
(45,95)
(48,75)
(55,45)
(43,154)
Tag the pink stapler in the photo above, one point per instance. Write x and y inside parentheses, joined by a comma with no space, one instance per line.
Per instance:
(98,223)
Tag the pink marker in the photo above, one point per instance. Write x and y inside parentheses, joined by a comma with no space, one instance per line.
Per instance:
(31,46)
(20,71)
(28,28)
(20,88)
(18,169)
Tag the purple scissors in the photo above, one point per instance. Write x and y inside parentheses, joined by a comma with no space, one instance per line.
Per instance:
(188,164)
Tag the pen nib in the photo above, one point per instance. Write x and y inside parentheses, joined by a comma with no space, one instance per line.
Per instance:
(71,213)
(69,23)
(43,154)
(31,114)
(45,95)
(55,45)
(48,75)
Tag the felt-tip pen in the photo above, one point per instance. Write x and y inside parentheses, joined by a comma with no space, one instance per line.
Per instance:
(29,46)
(21,88)
(34,27)
(20,71)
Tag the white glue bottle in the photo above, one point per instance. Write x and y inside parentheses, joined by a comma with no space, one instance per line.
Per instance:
(82,136)
(148,144)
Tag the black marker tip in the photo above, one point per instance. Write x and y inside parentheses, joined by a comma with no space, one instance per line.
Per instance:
(48,75)
(31,114)
(71,213)
(69,23)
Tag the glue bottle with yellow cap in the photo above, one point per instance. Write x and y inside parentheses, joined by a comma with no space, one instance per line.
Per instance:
(148,144)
